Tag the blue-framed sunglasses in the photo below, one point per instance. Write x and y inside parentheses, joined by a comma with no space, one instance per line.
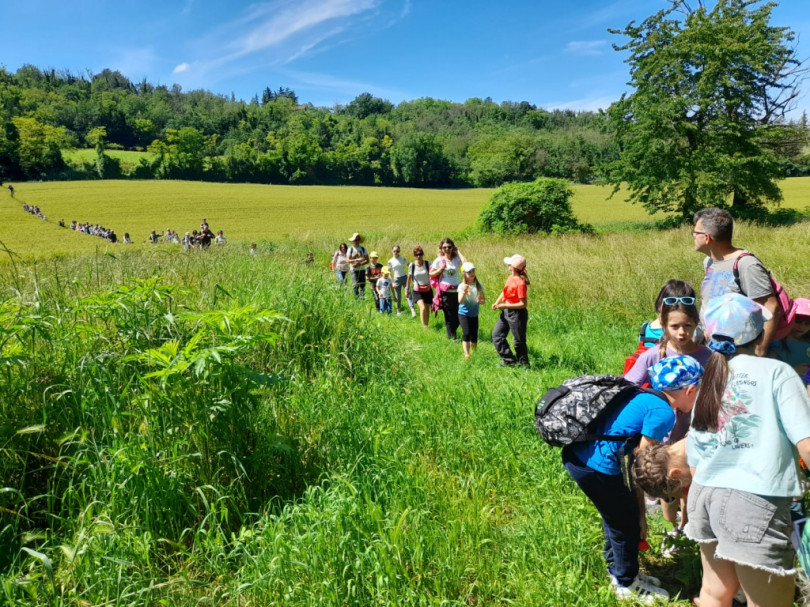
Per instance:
(687,301)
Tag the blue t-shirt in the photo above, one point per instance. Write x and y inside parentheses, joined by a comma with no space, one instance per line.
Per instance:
(645,414)
(469,305)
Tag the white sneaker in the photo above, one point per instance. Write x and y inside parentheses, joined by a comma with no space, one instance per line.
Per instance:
(640,591)
(644,577)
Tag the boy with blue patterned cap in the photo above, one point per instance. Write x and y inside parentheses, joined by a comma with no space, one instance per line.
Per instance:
(596,467)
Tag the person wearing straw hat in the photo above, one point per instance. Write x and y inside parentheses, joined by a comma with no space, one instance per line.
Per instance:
(373,273)
(358,260)
(751,417)
(514,315)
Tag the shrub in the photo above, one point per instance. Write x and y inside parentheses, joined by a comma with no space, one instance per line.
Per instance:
(539,206)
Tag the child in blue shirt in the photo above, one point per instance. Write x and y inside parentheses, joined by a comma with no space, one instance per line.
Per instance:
(383,290)
(596,467)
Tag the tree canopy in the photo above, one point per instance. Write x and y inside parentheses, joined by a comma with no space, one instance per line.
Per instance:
(704,125)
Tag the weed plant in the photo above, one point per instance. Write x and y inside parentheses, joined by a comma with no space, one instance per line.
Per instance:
(209,428)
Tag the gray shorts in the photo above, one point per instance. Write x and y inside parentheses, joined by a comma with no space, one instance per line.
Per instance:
(749,529)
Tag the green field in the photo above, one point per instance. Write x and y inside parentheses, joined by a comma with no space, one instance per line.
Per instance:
(262,213)
(166,439)
(128,158)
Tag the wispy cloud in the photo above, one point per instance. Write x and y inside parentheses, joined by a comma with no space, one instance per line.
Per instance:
(586,48)
(279,32)
(341,86)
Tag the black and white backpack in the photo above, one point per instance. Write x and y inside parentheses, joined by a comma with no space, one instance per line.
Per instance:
(572,411)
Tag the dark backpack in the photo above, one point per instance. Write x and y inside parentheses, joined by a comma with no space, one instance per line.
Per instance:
(572,411)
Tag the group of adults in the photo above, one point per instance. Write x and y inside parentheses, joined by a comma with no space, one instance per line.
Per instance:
(743,396)
(449,284)
(33,210)
(94,230)
(195,239)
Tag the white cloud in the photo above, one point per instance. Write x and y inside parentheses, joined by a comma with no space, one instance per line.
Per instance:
(272,34)
(275,23)
(586,48)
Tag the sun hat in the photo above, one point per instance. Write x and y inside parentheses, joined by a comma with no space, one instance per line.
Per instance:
(516,261)
(802,306)
(675,373)
(373,254)
(467,266)
(734,317)
(356,236)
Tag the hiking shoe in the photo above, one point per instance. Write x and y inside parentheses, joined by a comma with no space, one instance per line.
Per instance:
(641,591)
(649,579)
(644,577)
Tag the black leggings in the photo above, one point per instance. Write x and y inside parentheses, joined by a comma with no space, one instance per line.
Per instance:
(469,328)
(450,309)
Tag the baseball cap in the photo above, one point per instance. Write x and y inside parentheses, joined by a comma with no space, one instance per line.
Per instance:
(373,254)
(675,373)
(516,261)
(802,306)
(467,266)
(735,316)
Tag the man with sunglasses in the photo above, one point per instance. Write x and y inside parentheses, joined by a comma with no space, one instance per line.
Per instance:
(712,233)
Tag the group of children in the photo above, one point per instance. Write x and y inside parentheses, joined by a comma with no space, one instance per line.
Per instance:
(738,450)
(449,285)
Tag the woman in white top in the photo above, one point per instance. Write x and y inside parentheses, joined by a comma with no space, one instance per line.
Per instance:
(447,269)
(418,287)
(398,266)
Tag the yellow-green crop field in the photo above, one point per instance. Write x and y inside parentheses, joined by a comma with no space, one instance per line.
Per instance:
(261,213)
(128,158)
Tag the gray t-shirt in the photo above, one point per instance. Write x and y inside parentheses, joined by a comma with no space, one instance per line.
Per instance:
(719,279)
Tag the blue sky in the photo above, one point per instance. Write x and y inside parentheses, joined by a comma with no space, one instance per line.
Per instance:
(552,53)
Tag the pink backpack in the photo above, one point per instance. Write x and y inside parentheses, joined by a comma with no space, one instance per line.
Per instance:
(785,302)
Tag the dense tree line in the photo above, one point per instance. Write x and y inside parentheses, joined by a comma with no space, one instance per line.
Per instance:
(274,138)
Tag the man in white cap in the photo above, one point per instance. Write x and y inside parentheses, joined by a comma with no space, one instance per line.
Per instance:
(358,260)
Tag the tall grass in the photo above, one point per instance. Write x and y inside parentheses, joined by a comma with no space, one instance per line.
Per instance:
(211,428)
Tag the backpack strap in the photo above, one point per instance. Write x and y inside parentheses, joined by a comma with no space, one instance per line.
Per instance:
(736,268)
(624,438)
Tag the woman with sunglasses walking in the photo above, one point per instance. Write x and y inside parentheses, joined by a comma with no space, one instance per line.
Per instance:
(418,287)
(446,269)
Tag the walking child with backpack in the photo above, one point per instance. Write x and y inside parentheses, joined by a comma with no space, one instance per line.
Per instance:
(595,458)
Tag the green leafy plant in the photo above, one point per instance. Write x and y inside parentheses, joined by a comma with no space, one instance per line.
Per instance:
(540,206)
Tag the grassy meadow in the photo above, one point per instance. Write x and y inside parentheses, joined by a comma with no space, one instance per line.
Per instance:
(210,428)
(128,158)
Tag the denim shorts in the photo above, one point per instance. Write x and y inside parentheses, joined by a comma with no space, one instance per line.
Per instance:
(749,529)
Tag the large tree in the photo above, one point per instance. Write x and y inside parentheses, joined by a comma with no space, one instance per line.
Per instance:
(703,125)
